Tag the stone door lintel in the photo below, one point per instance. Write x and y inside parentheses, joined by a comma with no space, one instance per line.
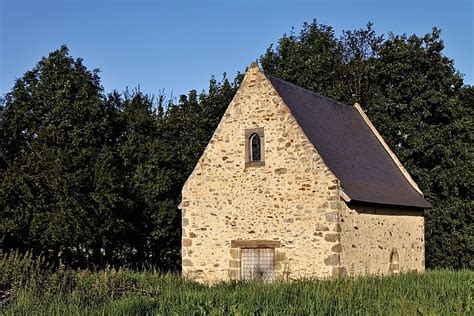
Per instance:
(255,244)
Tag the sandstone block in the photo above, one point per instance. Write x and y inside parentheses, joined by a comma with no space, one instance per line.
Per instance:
(332,216)
(281,256)
(187,242)
(337,248)
(324,205)
(339,272)
(234,264)
(233,274)
(281,171)
(234,253)
(321,227)
(332,237)
(334,205)
(278,266)
(333,260)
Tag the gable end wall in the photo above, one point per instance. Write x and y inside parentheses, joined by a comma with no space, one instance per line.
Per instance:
(293,199)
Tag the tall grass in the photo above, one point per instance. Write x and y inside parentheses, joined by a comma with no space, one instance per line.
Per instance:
(129,292)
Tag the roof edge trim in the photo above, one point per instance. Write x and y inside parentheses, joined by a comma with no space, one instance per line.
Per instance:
(344,196)
(387,149)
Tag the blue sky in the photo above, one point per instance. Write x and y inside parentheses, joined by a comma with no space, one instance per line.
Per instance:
(179,45)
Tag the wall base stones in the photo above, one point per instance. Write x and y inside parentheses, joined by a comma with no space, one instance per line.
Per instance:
(233,272)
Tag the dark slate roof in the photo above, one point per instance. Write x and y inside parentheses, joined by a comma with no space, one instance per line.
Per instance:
(349,148)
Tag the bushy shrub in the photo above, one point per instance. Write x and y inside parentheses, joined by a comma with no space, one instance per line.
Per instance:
(22,270)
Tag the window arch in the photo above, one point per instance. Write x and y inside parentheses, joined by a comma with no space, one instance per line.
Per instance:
(394,267)
(255,147)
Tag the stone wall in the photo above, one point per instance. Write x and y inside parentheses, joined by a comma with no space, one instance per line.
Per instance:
(292,197)
(372,236)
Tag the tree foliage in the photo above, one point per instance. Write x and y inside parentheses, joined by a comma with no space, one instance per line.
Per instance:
(313,59)
(91,179)
(55,160)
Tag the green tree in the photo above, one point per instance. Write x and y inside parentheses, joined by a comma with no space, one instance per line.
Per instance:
(150,180)
(59,177)
(313,60)
(360,52)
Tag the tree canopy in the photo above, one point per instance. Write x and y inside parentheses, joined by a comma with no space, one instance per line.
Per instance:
(91,179)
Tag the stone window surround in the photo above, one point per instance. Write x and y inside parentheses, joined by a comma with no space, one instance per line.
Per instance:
(255,244)
(249,132)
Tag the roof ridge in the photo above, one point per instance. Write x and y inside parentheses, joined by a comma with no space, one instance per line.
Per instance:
(310,91)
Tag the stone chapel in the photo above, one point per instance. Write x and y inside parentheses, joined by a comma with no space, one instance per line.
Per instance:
(294,184)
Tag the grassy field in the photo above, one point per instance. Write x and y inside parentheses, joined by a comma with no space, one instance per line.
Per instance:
(35,291)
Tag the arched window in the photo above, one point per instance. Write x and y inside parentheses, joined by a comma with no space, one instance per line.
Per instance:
(255,148)
(394,267)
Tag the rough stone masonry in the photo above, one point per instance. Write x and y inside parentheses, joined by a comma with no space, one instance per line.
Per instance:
(290,202)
